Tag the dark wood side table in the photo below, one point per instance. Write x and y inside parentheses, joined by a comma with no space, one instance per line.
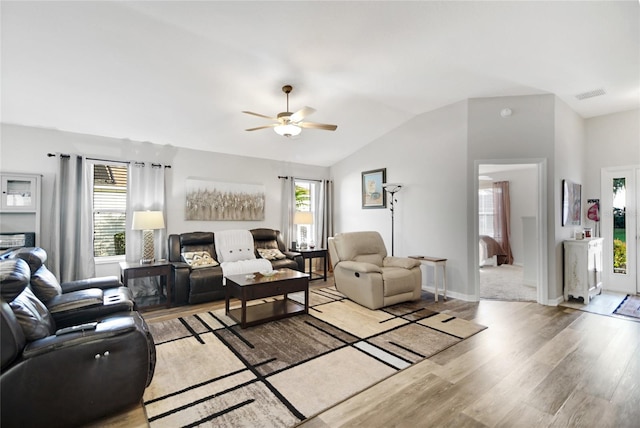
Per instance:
(314,254)
(147,270)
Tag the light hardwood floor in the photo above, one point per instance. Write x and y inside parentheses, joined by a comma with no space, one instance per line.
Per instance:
(535,366)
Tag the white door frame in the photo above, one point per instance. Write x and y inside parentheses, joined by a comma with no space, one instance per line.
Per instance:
(541,225)
(624,283)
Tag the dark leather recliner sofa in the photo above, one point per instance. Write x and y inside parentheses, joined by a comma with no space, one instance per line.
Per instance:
(272,239)
(206,283)
(72,302)
(71,376)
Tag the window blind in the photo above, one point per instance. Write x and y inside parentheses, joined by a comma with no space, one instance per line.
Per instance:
(109,209)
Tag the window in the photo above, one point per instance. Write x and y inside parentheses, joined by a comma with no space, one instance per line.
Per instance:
(109,209)
(485,212)
(619,225)
(305,202)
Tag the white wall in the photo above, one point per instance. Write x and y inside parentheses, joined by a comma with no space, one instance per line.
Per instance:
(612,140)
(24,149)
(233,169)
(427,155)
(570,163)
(524,137)
(435,156)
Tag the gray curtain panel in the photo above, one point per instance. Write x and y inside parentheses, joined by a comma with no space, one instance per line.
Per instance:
(324,222)
(71,257)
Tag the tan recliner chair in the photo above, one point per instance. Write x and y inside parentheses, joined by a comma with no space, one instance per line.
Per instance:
(365,274)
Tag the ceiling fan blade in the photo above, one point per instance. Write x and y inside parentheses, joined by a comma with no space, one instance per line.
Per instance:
(273,125)
(301,114)
(313,125)
(260,115)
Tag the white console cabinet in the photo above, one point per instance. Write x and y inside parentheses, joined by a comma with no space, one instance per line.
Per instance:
(582,268)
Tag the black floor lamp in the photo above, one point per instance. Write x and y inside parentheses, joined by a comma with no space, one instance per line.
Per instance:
(392,189)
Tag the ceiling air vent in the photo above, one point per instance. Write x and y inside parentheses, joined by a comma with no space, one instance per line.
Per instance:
(591,94)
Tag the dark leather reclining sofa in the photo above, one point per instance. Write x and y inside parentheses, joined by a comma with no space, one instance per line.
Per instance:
(73,359)
(205,284)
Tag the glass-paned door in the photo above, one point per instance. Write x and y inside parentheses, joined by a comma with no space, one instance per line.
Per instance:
(619,193)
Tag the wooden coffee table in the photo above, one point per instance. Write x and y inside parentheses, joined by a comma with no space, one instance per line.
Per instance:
(245,289)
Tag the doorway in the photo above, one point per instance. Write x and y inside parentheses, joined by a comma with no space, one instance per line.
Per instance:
(620,193)
(524,277)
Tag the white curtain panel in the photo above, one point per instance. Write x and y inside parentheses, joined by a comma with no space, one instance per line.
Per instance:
(71,256)
(288,209)
(146,193)
(324,217)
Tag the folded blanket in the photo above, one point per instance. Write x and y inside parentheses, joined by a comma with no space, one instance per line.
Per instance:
(244,267)
(234,245)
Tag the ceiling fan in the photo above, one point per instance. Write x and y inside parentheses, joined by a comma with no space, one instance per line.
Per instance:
(290,124)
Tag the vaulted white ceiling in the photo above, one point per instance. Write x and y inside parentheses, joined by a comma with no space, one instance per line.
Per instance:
(181,72)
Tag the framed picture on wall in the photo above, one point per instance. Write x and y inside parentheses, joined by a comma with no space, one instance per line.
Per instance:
(571,203)
(373,195)
(209,200)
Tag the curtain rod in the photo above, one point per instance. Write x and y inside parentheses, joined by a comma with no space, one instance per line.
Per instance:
(63,155)
(286,177)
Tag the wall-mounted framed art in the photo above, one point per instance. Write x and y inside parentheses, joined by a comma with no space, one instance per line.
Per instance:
(571,203)
(373,195)
(216,201)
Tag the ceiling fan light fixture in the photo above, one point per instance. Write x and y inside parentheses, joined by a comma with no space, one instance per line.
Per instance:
(290,124)
(288,130)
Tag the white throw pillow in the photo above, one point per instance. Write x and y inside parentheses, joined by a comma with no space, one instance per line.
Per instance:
(271,254)
(199,259)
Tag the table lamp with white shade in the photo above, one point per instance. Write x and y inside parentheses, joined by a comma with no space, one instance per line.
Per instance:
(147,221)
(302,218)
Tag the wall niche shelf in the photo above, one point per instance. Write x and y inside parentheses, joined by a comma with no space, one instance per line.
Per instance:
(19,207)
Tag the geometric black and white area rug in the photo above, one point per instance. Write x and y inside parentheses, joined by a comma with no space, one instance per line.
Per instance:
(210,372)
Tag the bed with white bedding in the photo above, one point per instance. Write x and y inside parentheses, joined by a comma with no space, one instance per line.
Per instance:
(491,252)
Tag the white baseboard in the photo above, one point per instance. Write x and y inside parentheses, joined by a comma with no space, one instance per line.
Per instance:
(471,298)
(452,294)
(555,302)
(616,291)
